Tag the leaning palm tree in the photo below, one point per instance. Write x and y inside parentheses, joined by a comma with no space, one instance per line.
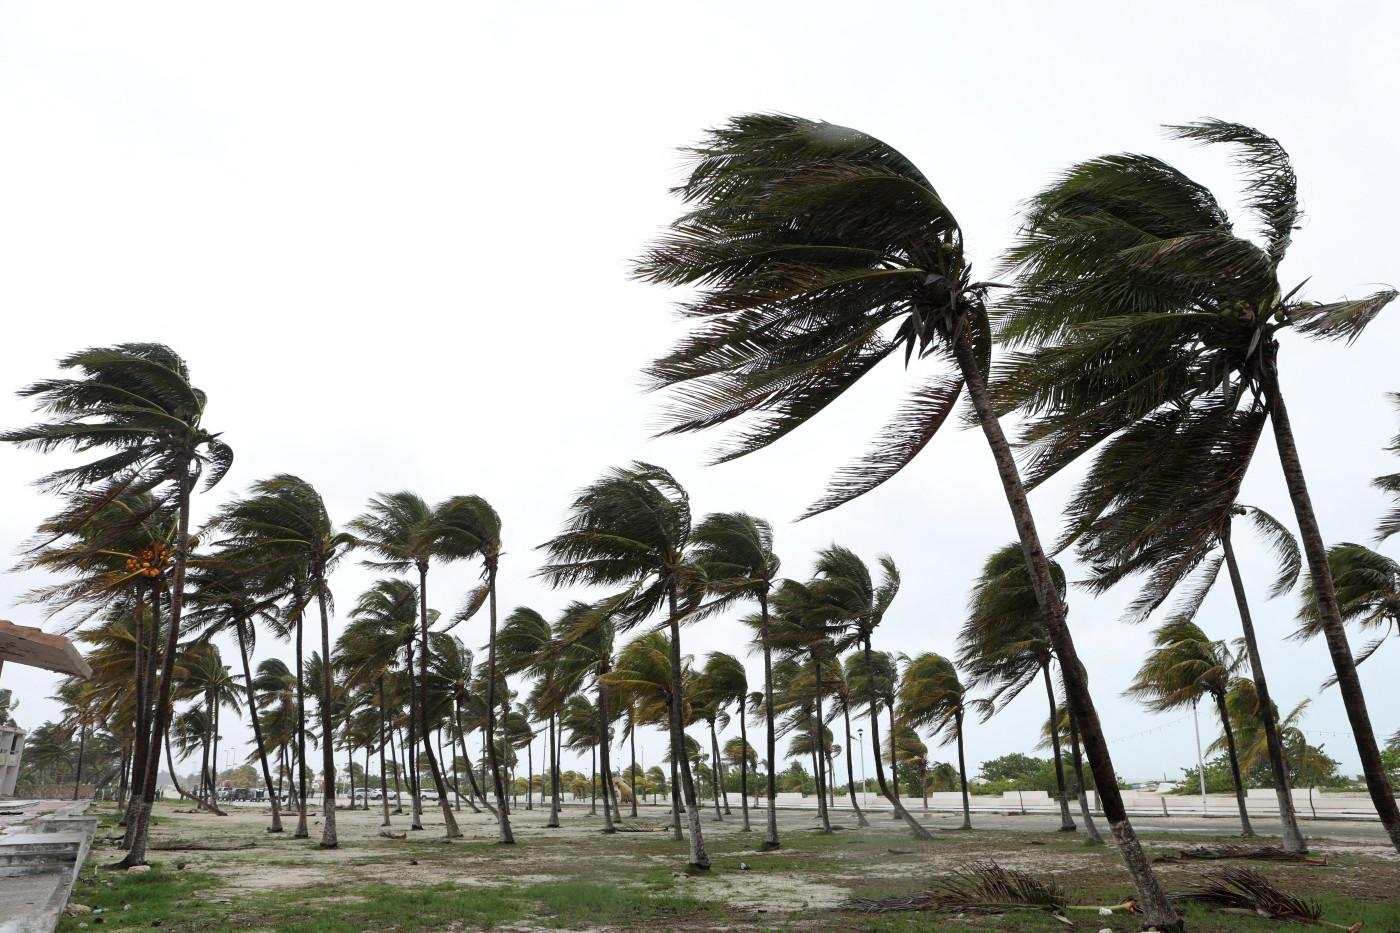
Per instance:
(931,696)
(642,674)
(848,595)
(135,405)
(735,551)
(1141,305)
(284,520)
(1004,644)
(631,528)
(822,251)
(1184,667)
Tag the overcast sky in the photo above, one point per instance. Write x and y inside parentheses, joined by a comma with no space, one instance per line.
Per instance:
(393,244)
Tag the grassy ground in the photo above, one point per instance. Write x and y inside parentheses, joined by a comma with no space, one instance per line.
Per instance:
(577,878)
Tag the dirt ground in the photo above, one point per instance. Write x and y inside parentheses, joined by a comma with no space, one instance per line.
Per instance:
(802,885)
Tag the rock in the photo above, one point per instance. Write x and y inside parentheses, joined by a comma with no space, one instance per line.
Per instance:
(76,910)
(1105,912)
(413,861)
(743,866)
(138,868)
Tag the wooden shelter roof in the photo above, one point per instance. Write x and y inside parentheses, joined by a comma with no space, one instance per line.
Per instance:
(37,648)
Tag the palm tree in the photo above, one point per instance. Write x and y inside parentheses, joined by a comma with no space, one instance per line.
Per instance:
(1145,306)
(724,682)
(842,700)
(1368,593)
(1390,521)
(1004,643)
(584,649)
(284,519)
(522,648)
(134,403)
(822,251)
(735,550)
(1184,667)
(849,596)
(631,528)
(405,533)
(377,640)
(931,696)
(1148,505)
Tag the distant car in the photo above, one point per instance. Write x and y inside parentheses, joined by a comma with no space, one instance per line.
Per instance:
(430,795)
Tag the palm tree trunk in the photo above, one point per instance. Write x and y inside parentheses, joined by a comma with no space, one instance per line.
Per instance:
(962,776)
(1293,840)
(394,755)
(770,837)
(553,778)
(676,833)
(603,747)
(914,825)
(1245,827)
(467,762)
(383,776)
(137,854)
(302,832)
(530,774)
(1090,829)
(1157,910)
(82,743)
(699,857)
(502,813)
(743,767)
(410,754)
(444,799)
(850,767)
(142,724)
(894,766)
(632,768)
(715,775)
(1066,821)
(276,826)
(819,744)
(328,834)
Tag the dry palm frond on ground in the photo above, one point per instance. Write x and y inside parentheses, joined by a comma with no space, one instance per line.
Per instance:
(1245,891)
(177,845)
(1263,853)
(982,887)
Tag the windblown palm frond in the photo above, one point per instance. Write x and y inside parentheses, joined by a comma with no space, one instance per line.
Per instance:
(1390,521)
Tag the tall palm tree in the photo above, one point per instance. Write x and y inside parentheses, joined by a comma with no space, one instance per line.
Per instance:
(585,656)
(1143,305)
(404,533)
(632,528)
(735,551)
(284,519)
(1184,667)
(643,674)
(931,696)
(377,640)
(820,252)
(725,682)
(1149,505)
(1004,644)
(522,648)
(842,700)
(850,596)
(135,405)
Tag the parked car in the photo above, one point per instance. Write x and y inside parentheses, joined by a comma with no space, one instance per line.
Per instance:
(430,795)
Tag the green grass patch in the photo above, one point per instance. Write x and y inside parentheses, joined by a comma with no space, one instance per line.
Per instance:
(592,903)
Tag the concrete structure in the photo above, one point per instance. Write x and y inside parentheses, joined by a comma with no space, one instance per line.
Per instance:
(11,748)
(32,647)
(39,863)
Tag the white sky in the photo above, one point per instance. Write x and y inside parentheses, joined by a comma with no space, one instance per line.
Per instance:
(393,247)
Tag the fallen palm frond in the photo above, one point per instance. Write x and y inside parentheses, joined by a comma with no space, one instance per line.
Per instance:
(176,845)
(982,887)
(1245,891)
(634,828)
(388,835)
(1263,853)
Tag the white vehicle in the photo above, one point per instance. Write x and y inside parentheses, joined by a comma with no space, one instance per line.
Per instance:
(430,795)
